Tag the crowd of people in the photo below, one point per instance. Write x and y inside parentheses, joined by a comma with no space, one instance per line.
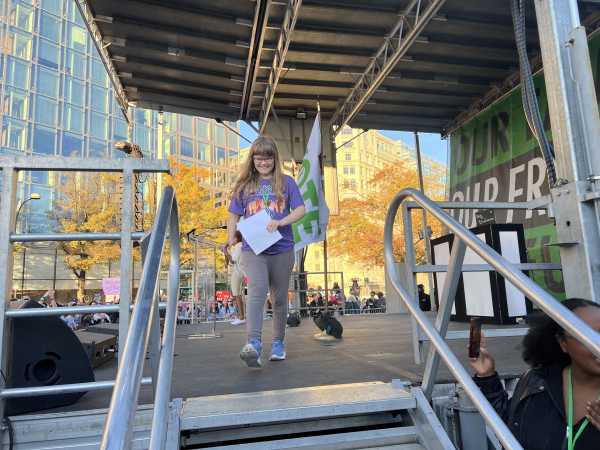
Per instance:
(77,321)
(338,302)
(218,309)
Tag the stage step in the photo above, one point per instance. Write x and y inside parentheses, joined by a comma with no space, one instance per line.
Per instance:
(204,413)
(371,415)
(405,438)
(357,416)
(399,447)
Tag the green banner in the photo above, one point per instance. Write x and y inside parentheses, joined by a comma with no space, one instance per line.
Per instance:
(496,158)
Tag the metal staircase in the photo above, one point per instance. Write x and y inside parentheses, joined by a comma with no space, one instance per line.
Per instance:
(352,416)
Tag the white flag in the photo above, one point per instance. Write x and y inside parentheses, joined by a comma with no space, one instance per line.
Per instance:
(312,227)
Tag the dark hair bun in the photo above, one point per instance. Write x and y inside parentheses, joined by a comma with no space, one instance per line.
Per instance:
(540,345)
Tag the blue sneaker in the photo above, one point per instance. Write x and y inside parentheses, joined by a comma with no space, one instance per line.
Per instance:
(250,354)
(277,351)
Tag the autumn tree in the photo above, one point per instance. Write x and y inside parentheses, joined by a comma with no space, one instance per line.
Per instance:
(196,207)
(85,203)
(357,233)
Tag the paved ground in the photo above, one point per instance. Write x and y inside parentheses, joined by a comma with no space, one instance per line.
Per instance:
(375,347)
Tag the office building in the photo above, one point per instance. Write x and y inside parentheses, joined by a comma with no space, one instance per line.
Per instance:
(57,101)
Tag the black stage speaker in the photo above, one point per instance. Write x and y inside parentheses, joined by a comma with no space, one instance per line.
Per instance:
(99,347)
(104,328)
(44,352)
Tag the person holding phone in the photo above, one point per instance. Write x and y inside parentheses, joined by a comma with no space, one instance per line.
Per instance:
(261,184)
(559,393)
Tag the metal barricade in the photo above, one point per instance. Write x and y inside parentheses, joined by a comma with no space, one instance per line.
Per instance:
(437,334)
(146,305)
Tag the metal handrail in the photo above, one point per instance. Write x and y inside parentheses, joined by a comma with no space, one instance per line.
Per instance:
(118,431)
(565,318)
(68,310)
(66,237)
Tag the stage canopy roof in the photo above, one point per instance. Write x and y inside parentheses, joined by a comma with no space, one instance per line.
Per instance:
(406,65)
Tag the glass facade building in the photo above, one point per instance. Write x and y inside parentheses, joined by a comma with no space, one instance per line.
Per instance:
(57,101)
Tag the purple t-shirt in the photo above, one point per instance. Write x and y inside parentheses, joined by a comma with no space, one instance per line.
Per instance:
(277,211)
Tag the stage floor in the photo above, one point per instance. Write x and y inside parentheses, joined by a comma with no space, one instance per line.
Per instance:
(375,347)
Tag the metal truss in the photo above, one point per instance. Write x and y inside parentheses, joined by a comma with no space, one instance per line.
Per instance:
(289,22)
(90,23)
(409,26)
(261,17)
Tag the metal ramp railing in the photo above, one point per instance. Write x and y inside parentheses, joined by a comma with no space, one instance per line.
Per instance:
(145,324)
(412,268)
(437,334)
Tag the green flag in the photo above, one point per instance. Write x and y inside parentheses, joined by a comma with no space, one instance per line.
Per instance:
(311,228)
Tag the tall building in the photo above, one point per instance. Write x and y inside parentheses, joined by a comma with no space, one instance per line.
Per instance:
(359,156)
(57,101)
(431,167)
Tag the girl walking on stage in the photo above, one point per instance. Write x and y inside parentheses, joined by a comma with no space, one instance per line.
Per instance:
(261,184)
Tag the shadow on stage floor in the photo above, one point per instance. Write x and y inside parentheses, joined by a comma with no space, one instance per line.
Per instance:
(375,347)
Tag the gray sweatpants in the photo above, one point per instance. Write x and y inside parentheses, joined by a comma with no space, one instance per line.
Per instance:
(267,274)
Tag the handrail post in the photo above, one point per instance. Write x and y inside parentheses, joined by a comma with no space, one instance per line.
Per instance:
(443,318)
(411,279)
(7,225)
(121,415)
(154,341)
(126,258)
(154,345)
(160,418)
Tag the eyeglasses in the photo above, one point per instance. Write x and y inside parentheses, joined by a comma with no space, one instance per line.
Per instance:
(267,160)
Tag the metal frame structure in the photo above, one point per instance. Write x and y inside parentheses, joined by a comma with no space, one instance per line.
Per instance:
(394,47)
(289,22)
(437,334)
(575,122)
(11,165)
(105,57)
(261,17)
(412,268)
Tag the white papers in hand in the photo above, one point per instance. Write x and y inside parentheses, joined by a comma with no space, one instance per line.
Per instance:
(254,230)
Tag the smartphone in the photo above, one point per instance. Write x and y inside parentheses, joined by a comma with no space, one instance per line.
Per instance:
(475,337)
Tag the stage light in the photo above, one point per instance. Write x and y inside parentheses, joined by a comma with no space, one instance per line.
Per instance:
(130,149)
(300,114)
(123,146)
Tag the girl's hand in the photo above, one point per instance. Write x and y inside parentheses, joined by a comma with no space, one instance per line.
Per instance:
(484,364)
(272,226)
(593,413)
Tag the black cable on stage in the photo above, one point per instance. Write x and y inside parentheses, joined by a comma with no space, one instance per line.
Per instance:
(10,432)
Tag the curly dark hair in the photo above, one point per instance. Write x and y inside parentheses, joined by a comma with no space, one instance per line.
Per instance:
(540,346)
(238,235)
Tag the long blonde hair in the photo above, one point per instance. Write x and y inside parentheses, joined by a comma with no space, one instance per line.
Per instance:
(249,179)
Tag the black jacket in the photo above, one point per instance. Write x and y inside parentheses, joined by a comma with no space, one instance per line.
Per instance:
(536,412)
(425,302)
(313,305)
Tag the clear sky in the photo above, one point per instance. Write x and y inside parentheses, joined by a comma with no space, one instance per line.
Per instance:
(431,144)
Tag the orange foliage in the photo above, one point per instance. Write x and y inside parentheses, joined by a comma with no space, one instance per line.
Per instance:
(357,233)
(196,207)
(85,203)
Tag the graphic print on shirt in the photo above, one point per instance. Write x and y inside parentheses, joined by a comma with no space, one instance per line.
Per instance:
(258,203)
